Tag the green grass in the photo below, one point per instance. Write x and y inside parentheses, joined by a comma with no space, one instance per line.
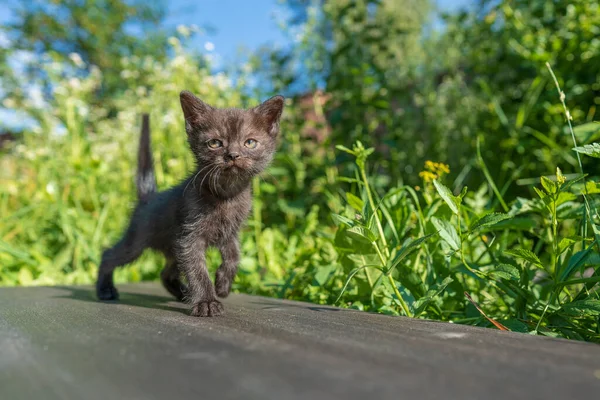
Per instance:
(355,240)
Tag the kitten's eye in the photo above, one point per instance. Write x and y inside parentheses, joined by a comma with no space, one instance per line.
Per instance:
(251,143)
(214,143)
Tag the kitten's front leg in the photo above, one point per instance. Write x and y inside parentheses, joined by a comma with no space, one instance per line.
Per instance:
(201,293)
(230,253)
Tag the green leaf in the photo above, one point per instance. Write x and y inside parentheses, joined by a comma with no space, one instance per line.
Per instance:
(515,325)
(582,258)
(540,193)
(355,202)
(565,243)
(592,187)
(571,182)
(526,255)
(517,223)
(564,197)
(362,233)
(447,231)
(505,271)
(592,150)
(421,304)
(488,220)
(549,186)
(25,276)
(587,132)
(591,279)
(345,149)
(582,308)
(350,276)
(405,250)
(346,243)
(323,274)
(360,260)
(348,180)
(340,219)
(445,193)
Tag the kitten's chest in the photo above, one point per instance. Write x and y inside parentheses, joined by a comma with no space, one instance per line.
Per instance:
(222,220)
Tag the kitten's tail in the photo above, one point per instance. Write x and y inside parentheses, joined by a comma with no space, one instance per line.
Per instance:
(145,179)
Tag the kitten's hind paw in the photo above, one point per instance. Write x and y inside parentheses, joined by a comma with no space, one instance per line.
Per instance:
(176,289)
(107,293)
(222,284)
(212,308)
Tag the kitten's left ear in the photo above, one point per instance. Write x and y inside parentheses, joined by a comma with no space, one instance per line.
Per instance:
(270,111)
(195,111)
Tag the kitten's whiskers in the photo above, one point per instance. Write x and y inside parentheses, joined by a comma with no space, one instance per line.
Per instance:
(208,175)
(195,176)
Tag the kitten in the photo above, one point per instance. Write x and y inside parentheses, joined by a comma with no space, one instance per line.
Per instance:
(230,147)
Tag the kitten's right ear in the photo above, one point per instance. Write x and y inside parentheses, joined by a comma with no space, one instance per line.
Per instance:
(195,111)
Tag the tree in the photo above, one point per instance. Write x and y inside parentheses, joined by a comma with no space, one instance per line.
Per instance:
(366,55)
(93,32)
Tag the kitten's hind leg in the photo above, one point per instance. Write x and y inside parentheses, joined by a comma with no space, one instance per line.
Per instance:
(230,253)
(171,280)
(127,250)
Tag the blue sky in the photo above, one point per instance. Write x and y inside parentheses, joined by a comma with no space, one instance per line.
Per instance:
(244,23)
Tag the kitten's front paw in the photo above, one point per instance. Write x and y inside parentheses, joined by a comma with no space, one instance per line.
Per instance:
(222,284)
(107,293)
(211,308)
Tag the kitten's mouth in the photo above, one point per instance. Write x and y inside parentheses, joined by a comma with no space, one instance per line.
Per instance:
(232,167)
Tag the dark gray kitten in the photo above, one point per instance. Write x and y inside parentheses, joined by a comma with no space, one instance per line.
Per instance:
(230,146)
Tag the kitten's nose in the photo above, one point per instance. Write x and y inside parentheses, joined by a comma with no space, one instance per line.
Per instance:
(233,156)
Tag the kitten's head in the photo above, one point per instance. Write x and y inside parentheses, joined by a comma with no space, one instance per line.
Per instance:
(231,145)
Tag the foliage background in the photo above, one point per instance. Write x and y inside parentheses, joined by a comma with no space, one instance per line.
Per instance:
(417,113)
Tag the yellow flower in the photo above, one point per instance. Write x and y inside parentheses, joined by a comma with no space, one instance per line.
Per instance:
(427,176)
(437,168)
(443,168)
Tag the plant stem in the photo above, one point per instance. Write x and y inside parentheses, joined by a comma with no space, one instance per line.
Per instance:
(381,258)
(561,95)
(554,240)
(392,282)
(400,299)
(369,279)
(372,204)
(545,309)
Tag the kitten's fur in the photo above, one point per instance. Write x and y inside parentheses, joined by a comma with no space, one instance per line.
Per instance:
(206,209)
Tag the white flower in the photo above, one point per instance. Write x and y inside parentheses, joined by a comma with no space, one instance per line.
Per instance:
(77,60)
(4,42)
(74,83)
(247,68)
(183,30)
(51,188)
(9,103)
(209,46)
(36,96)
(222,81)
(178,61)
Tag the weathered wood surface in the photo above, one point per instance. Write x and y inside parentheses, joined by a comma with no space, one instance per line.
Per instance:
(60,343)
